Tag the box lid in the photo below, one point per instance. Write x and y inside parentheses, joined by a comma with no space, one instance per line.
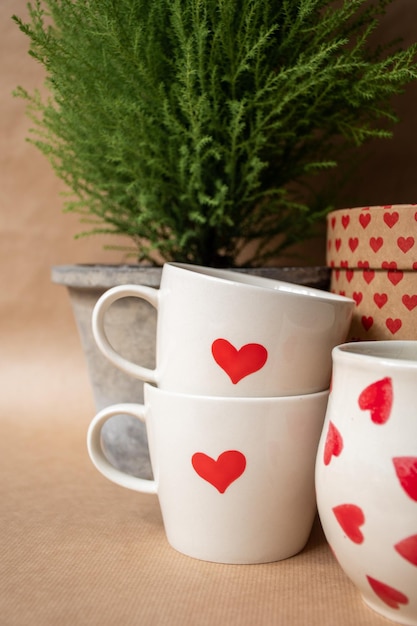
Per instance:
(380,237)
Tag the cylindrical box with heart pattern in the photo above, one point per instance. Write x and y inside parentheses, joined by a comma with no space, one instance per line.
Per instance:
(372,252)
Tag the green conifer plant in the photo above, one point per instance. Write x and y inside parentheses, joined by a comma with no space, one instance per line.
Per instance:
(195,126)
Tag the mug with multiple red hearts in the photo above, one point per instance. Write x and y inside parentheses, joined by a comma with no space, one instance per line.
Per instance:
(228,333)
(366,473)
(234,476)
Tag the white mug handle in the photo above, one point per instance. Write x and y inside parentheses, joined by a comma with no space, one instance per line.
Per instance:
(98,457)
(102,305)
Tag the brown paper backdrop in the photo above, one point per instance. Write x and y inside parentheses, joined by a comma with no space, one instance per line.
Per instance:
(71,549)
(35,234)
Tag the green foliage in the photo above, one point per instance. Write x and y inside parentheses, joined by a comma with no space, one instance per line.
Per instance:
(193,126)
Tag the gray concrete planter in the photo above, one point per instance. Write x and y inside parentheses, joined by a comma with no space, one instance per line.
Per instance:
(131,328)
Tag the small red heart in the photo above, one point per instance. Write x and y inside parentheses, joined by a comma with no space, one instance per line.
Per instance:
(380,299)
(409,301)
(392,597)
(239,363)
(405,243)
(394,275)
(353,243)
(349,275)
(377,398)
(357,296)
(367,321)
(338,243)
(408,549)
(221,473)
(333,222)
(376,243)
(333,445)
(363,264)
(368,275)
(389,265)
(364,219)
(345,221)
(350,518)
(406,470)
(393,325)
(391,219)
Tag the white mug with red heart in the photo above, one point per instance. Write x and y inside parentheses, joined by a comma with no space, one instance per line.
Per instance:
(234,476)
(366,473)
(229,333)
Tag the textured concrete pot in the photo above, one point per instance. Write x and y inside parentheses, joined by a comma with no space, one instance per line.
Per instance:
(131,328)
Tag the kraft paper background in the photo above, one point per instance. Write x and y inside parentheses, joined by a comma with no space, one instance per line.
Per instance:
(75,549)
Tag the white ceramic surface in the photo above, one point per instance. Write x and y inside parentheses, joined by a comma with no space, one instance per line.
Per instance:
(232,334)
(234,476)
(366,473)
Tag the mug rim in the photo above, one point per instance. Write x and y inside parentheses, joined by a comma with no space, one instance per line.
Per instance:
(272,285)
(395,353)
(300,397)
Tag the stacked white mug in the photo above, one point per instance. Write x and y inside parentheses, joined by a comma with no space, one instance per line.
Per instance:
(234,408)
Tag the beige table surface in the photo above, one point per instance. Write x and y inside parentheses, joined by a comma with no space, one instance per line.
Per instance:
(75,549)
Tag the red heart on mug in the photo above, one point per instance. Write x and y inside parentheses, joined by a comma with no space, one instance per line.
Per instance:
(408,549)
(239,363)
(392,597)
(220,473)
(350,518)
(333,445)
(406,470)
(377,398)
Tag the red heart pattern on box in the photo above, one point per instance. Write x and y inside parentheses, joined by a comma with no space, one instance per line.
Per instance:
(373,255)
(373,235)
(375,401)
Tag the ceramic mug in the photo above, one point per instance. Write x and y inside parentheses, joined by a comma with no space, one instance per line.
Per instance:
(228,333)
(234,476)
(366,473)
